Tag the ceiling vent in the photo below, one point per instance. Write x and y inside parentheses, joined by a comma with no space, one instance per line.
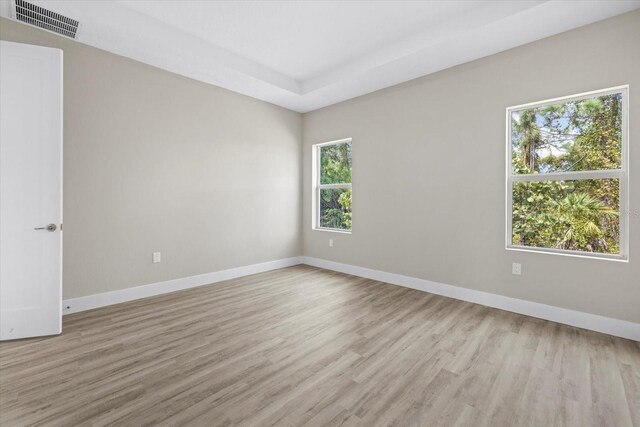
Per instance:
(46,19)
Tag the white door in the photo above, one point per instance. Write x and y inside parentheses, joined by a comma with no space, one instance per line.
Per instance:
(30,191)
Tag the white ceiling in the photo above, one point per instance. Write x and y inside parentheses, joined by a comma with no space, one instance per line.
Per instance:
(305,55)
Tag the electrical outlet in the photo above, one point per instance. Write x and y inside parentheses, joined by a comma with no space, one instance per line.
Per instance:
(516,268)
(156,257)
(330,243)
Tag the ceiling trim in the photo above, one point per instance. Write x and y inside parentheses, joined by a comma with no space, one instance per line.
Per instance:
(482,31)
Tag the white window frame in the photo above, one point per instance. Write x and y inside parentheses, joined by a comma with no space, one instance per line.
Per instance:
(622,174)
(315,154)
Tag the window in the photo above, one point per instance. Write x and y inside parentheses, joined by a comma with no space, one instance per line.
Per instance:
(332,186)
(567,178)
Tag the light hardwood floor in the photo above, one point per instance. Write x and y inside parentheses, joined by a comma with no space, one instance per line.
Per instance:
(304,346)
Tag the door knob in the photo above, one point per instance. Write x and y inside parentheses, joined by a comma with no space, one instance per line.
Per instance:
(50,227)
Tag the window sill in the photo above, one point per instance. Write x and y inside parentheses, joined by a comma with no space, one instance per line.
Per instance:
(332,230)
(574,254)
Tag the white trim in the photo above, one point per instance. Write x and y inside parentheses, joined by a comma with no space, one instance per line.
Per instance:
(622,174)
(625,183)
(75,305)
(332,230)
(569,176)
(335,142)
(576,97)
(569,253)
(593,322)
(346,186)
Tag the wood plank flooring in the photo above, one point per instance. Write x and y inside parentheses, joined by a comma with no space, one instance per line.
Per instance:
(305,346)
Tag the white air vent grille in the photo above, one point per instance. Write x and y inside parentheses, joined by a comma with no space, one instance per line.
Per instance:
(43,18)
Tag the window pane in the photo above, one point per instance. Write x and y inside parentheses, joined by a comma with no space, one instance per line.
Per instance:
(335,164)
(335,208)
(569,136)
(581,215)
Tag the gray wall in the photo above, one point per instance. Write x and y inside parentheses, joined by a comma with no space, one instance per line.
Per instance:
(429,172)
(158,162)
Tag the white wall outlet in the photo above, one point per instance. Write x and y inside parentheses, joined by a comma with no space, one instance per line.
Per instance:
(516,268)
(156,257)
(330,243)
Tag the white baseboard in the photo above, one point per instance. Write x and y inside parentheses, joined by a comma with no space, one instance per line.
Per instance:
(75,305)
(594,322)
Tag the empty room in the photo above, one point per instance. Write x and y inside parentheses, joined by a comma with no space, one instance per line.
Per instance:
(319,213)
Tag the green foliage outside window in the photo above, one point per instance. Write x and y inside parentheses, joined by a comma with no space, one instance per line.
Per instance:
(335,203)
(579,214)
